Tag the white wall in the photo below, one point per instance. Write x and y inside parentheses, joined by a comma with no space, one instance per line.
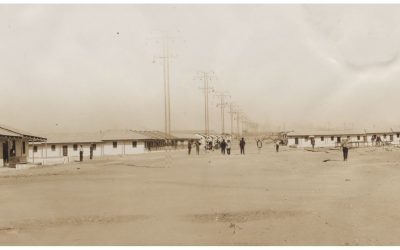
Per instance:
(327,142)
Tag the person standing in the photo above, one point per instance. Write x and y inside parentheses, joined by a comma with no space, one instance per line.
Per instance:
(277,145)
(242,143)
(197,143)
(189,147)
(313,143)
(345,148)
(223,146)
(91,152)
(228,147)
(80,153)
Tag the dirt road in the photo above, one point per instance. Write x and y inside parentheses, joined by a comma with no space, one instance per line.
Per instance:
(294,197)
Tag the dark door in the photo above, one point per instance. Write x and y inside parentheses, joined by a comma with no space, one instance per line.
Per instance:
(65,150)
(338,139)
(5,152)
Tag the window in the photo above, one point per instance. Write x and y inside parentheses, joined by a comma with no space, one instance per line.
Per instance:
(23,147)
(306,139)
(296,140)
(338,139)
(53,147)
(348,137)
(322,138)
(134,144)
(384,136)
(34,149)
(94,146)
(332,138)
(391,137)
(358,137)
(115,144)
(398,135)
(75,147)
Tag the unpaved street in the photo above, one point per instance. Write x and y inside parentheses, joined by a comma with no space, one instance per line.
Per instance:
(294,197)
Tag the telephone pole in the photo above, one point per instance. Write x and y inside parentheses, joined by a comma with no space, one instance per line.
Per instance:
(166,57)
(206,77)
(222,105)
(232,113)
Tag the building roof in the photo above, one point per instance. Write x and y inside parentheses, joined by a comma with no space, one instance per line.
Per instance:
(326,133)
(74,137)
(110,135)
(13,132)
(186,136)
(155,135)
(341,132)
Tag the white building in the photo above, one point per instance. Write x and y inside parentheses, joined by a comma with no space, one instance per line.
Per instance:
(64,147)
(360,138)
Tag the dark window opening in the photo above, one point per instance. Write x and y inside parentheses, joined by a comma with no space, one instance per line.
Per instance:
(296,141)
(115,144)
(53,147)
(322,138)
(134,144)
(34,149)
(332,138)
(23,147)
(75,147)
(358,137)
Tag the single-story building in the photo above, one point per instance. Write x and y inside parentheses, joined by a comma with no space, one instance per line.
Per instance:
(14,145)
(358,138)
(65,147)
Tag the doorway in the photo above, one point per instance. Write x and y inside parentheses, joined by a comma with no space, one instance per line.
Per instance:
(65,150)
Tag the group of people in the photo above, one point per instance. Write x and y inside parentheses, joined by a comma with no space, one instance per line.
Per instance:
(225,146)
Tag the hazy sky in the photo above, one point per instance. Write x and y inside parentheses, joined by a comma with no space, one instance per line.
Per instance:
(89,67)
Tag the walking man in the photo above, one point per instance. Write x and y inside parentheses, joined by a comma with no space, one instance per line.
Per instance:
(80,153)
(241,144)
(189,147)
(345,148)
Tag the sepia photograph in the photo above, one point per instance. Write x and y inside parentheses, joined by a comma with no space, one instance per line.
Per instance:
(190,124)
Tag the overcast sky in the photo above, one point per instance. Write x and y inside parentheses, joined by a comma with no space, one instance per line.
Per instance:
(90,67)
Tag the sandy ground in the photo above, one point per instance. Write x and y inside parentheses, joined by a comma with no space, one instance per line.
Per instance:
(293,197)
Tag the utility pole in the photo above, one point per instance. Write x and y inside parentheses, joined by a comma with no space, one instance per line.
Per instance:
(222,105)
(232,113)
(206,77)
(166,76)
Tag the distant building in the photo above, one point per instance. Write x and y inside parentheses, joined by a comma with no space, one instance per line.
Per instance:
(358,138)
(64,147)
(14,145)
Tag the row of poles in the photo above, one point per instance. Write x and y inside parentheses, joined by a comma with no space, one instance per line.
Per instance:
(207,78)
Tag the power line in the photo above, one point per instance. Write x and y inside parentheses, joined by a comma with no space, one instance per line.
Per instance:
(206,77)
(222,105)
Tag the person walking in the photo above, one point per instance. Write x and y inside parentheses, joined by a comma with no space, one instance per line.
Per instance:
(189,147)
(228,147)
(345,149)
(242,143)
(277,145)
(80,153)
